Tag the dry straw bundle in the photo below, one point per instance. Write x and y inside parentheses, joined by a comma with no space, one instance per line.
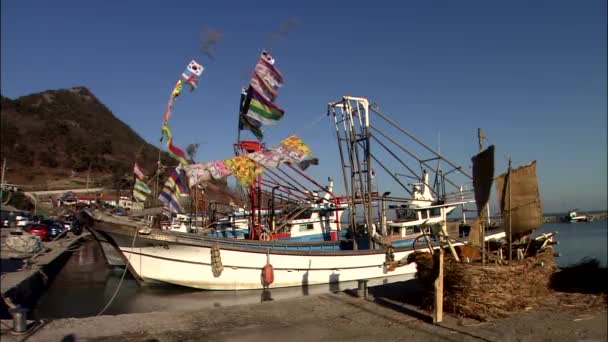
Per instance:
(491,291)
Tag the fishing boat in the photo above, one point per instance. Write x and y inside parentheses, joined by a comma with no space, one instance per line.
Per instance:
(294,237)
(317,218)
(218,263)
(155,255)
(573,216)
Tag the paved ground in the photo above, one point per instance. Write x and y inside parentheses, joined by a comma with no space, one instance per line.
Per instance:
(327,317)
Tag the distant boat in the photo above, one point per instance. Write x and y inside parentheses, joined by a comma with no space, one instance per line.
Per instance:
(574,216)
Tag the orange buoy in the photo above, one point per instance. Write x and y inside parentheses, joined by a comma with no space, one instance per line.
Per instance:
(267,275)
(267,271)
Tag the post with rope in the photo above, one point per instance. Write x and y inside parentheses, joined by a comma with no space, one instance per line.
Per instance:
(438,259)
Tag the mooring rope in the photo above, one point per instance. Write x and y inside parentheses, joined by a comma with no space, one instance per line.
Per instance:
(121,278)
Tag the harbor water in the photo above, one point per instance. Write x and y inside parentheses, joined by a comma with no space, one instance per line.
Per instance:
(86,284)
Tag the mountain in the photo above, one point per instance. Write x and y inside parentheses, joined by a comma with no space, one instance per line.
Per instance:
(67,134)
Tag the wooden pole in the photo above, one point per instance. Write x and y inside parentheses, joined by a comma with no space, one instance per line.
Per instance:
(509,211)
(438,307)
(483,213)
(444,232)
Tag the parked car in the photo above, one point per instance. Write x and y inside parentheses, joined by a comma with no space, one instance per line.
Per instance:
(56,227)
(119,212)
(23,219)
(37,218)
(9,221)
(68,221)
(39,229)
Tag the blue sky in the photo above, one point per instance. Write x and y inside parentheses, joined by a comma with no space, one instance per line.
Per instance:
(532,74)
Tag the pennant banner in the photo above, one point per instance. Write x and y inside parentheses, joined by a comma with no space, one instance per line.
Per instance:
(140,189)
(174,151)
(137,171)
(173,189)
(246,167)
(243,168)
(141,186)
(261,109)
(190,77)
(257,103)
(266,78)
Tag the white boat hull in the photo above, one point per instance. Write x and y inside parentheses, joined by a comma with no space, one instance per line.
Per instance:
(191,266)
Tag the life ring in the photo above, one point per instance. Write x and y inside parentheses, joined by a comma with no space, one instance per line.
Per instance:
(265,237)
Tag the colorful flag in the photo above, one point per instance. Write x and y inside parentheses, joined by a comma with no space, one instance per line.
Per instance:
(266,79)
(195,68)
(262,110)
(140,189)
(174,151)
(167,115)
(251,125)
(267,57)
(177,89)
(246,167)
(170,200)
(175,182)
(141,186)
(173,189)
(177,154)
(137,171)
(191,80)
(165,131)
(243,168)
(140,196)
(294,142)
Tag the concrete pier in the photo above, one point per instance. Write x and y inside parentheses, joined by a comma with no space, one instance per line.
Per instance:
(326,317)
(25,276)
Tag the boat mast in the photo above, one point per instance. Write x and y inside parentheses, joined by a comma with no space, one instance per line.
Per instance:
(509,211)
(355,134)
(483,212)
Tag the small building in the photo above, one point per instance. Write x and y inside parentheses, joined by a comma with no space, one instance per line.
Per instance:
(109,199)
(128,203)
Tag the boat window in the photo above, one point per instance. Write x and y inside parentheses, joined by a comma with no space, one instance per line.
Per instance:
(304,227)
(406,214)
(436,212)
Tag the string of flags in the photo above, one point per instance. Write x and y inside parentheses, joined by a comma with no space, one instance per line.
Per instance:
(258,105)
(140,189)
(247,166)
(174,186)
(190,77)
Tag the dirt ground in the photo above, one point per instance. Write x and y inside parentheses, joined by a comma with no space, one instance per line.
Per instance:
(327,317)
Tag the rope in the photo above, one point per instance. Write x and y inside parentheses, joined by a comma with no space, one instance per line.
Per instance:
(311,125)
(121,278)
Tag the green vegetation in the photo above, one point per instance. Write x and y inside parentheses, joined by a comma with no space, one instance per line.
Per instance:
(64,131)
